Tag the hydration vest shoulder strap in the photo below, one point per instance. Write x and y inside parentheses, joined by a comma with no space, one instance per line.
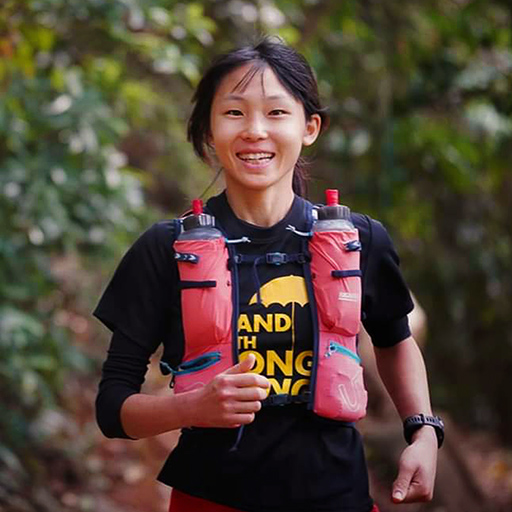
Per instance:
(176,229)
(310,219)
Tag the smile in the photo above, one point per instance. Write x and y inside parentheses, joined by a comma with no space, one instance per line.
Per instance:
(257,158)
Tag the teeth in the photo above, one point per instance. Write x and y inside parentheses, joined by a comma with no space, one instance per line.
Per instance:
(255,156)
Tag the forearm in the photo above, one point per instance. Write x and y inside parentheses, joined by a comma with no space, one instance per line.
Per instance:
(121,409)
(229,400)
(147,415)
(402,370)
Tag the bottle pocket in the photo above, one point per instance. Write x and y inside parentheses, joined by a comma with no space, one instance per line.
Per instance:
(337,280)
(205,283)
(339,391)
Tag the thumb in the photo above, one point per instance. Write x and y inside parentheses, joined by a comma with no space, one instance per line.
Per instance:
(401,485)
(243,366)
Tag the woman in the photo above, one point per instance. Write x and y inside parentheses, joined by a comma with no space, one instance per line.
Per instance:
(255,109)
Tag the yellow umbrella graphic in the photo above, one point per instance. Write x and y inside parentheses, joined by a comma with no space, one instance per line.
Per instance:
(284,290)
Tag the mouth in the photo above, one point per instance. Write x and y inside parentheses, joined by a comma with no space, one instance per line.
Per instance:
(256,158)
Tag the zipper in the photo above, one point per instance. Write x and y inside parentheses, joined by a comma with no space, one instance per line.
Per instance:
(335,347)
(194,365)
(198,363)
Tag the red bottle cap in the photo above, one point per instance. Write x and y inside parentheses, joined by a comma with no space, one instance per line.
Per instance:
(331,197)
(197,206)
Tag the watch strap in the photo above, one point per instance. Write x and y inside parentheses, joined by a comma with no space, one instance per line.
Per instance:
(417,421)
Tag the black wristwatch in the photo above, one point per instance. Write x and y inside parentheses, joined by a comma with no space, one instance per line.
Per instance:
(413,423)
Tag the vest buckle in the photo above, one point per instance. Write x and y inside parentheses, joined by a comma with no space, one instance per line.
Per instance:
(279,399)
(276,258)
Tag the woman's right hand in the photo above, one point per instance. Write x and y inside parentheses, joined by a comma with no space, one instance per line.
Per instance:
(231,398)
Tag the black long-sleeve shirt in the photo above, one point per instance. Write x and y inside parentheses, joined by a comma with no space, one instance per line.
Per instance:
(289,458)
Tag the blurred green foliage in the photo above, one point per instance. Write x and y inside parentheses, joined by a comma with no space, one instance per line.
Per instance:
(94,98)
(84,89)
(421,131)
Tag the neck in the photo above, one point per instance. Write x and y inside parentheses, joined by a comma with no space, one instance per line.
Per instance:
(263,209)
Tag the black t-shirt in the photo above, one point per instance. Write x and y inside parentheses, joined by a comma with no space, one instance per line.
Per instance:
(288,459)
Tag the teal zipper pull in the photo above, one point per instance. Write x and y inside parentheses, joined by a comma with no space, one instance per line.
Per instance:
(335,347)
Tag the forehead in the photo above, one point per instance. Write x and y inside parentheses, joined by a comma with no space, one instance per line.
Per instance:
(251,79)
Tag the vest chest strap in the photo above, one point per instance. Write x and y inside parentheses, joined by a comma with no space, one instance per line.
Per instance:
(272,258)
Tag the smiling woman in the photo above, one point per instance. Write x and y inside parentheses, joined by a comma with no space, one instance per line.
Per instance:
(258,310)
(268,87)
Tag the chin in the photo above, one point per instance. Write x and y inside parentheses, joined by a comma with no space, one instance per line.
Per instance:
(261,184)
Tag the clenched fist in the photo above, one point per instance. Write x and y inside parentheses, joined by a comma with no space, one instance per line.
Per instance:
(231,398)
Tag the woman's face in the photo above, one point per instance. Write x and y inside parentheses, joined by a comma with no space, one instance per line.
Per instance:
(258,131)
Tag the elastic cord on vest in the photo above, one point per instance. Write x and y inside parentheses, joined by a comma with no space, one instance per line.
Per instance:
(239,435)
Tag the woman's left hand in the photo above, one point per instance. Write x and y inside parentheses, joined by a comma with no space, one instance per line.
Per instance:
(417,469)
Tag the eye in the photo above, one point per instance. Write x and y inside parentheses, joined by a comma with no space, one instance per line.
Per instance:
(277,112)
(233,112)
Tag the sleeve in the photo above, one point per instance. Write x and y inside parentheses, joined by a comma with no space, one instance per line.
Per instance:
(142,298)
(122,375)
(386,297)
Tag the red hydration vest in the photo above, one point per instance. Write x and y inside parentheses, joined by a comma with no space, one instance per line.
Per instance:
(209,298)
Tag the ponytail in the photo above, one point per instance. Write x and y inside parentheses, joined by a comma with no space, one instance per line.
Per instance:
(300,178)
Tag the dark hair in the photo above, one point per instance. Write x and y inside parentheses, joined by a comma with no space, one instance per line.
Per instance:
(291,69)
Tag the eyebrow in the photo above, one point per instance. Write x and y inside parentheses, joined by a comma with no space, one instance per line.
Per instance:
(241,98)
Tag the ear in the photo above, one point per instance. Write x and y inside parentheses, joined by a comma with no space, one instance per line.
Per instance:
(312,129)
(209,141)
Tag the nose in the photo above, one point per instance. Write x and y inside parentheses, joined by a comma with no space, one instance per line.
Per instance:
(254,129)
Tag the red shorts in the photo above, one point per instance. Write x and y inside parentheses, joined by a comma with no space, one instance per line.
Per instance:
(181,502)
